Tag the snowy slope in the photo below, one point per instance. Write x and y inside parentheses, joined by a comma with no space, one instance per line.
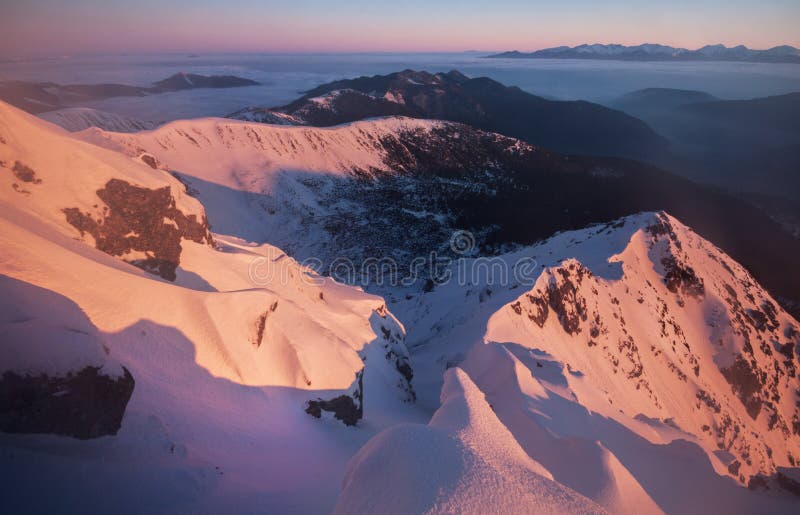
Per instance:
(225,357)
(399,188)
(463,461)
(76,119)
(208,145)
(685,334)
(330,108)
(271,183)
(627,352)
(636,368)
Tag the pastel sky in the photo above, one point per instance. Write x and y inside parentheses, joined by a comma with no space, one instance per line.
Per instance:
(60,27)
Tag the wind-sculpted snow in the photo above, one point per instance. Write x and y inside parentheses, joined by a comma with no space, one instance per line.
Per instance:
(224,369)
(463,461)
(119,206)
(653,330)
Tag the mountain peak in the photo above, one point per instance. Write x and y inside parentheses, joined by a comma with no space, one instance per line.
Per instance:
(481,102)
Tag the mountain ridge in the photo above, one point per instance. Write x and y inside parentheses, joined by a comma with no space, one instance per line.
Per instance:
(38,97)
(656,52)
(540,391)
(573,368)
(565,126)
(483,182)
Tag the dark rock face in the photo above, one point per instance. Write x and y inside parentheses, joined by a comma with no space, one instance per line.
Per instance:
(761,371)
(60,385)
(138,219)
(681,278)
(389,344)
(347,408)
(83,404)
(788,483)
(505,191)
(25,173)
(573,127)
(746,383)
(261,324)
(150,161)
(784,479)
(561,295)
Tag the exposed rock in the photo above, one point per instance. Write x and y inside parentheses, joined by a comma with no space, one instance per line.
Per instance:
(347,408)
(681,278)
(83,404)
(150,161)
(747,384)
(561,295)
(141,220)
(261,324)
(25,173)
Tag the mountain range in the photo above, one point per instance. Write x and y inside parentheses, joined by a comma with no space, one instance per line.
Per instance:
(214,371)
(38,97)
(402,293)
(656,52)
(452,176)
(564,126)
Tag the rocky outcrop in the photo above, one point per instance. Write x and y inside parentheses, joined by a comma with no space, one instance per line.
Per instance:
(743,377)
(25,173)
(56,375)
(141,225)
(348,408)
(82,404)
(387,348)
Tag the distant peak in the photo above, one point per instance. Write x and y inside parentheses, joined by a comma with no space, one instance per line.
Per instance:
(659,52)
(456,76)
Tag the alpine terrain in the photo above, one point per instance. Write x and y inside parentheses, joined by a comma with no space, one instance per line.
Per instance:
(208,310)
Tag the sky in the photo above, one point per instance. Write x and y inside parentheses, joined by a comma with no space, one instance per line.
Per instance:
(52,28)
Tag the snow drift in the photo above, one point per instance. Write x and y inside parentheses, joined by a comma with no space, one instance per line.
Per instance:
(228,349)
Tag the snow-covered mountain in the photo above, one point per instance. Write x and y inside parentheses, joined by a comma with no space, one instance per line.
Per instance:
(231,348)
(76,119)
(577,127)
(656,52)
(271,183)
(464,460)
(417,181)
(638,361)
(635,367)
